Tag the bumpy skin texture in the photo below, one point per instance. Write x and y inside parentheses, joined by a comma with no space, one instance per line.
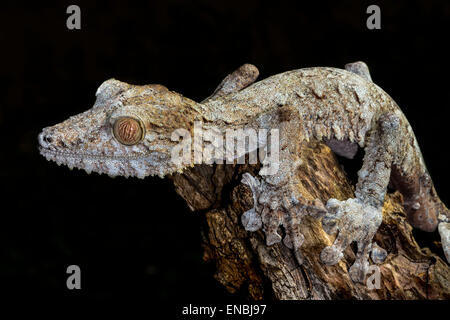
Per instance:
(342,108)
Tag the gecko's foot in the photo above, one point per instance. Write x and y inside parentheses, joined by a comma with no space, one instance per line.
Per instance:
(276,206)
(361,265)
(356,221)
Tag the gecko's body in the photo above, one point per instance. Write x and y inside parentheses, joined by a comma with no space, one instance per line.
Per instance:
(128,132)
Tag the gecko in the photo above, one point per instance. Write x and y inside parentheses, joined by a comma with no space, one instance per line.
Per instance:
(129,132)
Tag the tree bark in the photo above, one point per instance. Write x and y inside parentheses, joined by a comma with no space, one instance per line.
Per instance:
(245,264)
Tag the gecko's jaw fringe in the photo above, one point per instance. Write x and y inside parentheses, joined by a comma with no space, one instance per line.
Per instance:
(89,164)
(126,167)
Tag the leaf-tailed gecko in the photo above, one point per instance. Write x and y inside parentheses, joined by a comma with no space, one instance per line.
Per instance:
(128,132)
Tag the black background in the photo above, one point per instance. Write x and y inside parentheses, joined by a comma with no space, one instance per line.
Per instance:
(137,238)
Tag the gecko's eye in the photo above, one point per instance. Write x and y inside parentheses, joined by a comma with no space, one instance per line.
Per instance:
(128,131)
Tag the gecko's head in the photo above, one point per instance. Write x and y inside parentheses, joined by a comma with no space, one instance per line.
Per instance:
(127,132)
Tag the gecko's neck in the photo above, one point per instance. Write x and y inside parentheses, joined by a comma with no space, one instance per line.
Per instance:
(236,110)
(214,110)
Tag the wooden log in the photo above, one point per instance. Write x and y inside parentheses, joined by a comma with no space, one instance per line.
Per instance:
(245,264)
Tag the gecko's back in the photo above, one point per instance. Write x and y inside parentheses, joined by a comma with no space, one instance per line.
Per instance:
(331,102)
(338,107)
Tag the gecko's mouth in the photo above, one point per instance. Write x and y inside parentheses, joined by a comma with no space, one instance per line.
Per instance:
(111,165)
(49,154)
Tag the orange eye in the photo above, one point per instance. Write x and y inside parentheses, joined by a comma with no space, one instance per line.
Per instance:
(128,131)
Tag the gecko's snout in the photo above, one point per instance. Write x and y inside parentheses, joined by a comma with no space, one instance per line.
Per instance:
(45,140)
(51,142)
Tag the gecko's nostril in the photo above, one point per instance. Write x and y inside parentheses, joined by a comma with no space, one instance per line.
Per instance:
(45,140)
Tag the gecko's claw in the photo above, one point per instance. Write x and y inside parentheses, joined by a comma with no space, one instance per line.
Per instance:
(251,220)
(331,218)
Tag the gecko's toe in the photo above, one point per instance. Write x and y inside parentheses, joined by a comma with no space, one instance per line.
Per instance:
(330,224)
(378,254)
(251,220)
(287,241)
(333,204)
(272,238)
(298,256)
(359,270)
(271,220)
(315,208)
(331,255)
(332,216)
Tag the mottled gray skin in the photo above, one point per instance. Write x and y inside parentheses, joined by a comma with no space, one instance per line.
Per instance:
(345,109)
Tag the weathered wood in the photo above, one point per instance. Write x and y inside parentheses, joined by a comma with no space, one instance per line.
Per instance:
(244,263)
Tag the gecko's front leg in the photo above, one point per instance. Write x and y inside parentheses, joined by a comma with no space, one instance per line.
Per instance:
(358,219)
(276,199)
(276,206)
